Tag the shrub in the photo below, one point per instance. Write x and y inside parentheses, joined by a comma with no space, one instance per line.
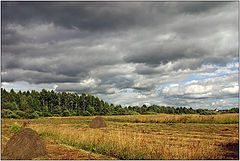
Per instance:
(39,113)
(6,113)
(149,113)
(21,114)
(234,110)
(16,128)
(74,113)
(66,113)
(56,115)
(47,114)
(11,106)
(130,112)
(33,115)
(14,116)
(86,113)
(109,114)
(207,113)
(91,110)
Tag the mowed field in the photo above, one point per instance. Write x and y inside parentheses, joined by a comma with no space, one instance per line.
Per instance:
(162,136)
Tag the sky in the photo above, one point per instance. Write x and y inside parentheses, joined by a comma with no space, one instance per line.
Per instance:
(128,53)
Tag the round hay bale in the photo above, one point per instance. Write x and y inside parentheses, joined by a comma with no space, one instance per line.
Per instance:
(98,122)
(25,144)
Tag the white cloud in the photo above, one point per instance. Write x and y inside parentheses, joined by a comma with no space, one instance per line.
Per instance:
(89,83)
(231,90)
(55,86)
(210,87)
(141,96)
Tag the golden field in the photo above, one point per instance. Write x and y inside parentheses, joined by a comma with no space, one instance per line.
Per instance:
(162,136)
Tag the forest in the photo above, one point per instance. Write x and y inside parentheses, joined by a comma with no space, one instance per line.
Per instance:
(34,104)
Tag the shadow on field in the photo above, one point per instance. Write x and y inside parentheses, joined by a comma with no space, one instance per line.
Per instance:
(233,151)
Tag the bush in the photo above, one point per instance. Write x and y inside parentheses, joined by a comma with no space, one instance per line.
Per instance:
(108,114)
(130,112)
(86,113)
(47,114)
(6,113)
(79,113)
(21,114)
(33,115)
(56,115)
(149,113)
(90,109)
(16,128)
(39,113)
(65,113)
(14,116)
(234,110)
(207,113)
(74,113)
(11,106)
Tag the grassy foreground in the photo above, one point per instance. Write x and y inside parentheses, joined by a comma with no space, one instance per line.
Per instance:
(160,136)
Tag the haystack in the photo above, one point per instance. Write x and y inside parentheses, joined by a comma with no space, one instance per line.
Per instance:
(98,122)
(25,144)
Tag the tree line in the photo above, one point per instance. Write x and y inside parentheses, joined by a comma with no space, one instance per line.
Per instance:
(34,104)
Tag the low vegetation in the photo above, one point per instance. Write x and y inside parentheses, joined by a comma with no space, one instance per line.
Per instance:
(173,118)
(161,136)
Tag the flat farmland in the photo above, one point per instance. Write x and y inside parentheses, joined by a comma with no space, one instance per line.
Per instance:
(162,136)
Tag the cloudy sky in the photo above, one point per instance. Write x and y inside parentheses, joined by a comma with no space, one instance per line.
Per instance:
(128,53)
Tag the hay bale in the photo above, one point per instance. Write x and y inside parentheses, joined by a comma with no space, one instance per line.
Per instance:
(25,144)
(98,122)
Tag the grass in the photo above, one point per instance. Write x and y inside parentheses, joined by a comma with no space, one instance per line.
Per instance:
(163,136)
(15,128)
(57,150)
(171,118)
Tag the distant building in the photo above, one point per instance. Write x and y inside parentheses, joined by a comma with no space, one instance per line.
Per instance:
(216,110)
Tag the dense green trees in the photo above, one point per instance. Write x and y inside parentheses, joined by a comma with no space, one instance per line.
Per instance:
(34,104)
(234,110)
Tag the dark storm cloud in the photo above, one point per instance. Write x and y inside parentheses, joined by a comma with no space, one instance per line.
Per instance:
(182,64)
(10,37)
(36,77)
(157,54)
(73,65)
(198,7)
(99,16)
(86,16)
(190,37)
(107,47)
